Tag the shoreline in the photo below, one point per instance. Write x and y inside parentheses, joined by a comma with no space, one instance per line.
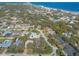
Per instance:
(30,3)
(66,11)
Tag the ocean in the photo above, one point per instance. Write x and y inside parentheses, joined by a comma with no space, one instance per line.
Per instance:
(68,6)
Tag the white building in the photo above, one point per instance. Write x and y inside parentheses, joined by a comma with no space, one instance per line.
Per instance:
(34,35)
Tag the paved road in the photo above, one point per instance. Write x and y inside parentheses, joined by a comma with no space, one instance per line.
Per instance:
(46,40)
(5,50)
(25,50)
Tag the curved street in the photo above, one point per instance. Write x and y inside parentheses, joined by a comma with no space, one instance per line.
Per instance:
(46,40)
(25,50)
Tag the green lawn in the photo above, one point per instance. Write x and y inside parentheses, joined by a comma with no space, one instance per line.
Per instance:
(15,49)
(2,39)
(43,48)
